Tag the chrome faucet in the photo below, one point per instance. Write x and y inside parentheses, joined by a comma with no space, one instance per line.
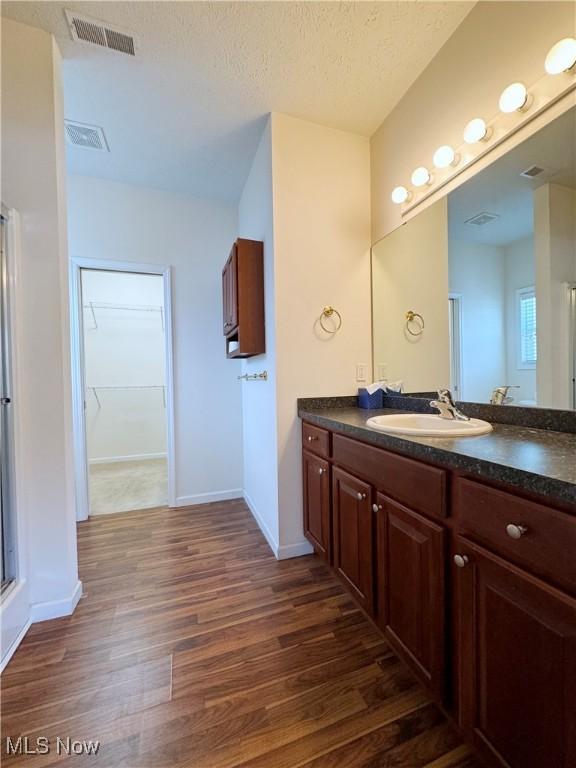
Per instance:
(447,407)
(500,395)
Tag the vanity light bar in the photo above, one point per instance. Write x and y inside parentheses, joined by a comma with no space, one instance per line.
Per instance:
(514,98)
(561,59)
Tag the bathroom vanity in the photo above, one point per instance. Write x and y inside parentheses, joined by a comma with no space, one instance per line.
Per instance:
(463,551)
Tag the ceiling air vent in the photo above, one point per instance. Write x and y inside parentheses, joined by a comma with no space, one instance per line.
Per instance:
(481,219)
(531,172)
(86,136)
(87,30)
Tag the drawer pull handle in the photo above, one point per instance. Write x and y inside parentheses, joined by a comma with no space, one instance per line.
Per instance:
(461,560)
(376,507)
(311,438)
(516,531)
(360,496)
(321,471)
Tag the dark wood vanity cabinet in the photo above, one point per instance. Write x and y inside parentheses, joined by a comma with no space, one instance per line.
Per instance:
(516,640)
(243,299)
(473,585)
(317,517)
(411,589)
(353,532)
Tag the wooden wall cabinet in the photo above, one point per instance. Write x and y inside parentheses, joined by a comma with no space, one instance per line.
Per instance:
(243,300)
(473,585)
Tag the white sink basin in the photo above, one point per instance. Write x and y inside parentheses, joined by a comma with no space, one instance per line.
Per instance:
(428,425)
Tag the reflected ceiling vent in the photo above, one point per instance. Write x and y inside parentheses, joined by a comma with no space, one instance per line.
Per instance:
(532,172)
(86,136)
(87,30)
(481,219)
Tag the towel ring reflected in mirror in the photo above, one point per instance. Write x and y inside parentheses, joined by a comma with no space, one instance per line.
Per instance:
(329,312)
(417,320)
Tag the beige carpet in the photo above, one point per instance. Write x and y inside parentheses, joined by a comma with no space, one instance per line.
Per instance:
(126,485)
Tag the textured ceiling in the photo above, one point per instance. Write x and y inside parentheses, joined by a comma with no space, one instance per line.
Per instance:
(187,113)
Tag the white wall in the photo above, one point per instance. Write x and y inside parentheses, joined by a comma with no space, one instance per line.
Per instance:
(322,256)
(477,273)
(260,434)
(410,272)
(497,43)
(519,270)
(307,198)
(124,348)
(108,220)
(33,183)
(555,250)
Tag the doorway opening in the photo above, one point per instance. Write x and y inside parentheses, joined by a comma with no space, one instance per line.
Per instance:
(122,360)
(455,341)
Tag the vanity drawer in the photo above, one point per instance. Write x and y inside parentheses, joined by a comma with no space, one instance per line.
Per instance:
(545,540)
(418,486)
(316,439)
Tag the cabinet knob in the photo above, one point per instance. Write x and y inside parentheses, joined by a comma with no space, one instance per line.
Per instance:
(516,531)
(376,507)
(321,471)
(461,560)
(360,496)
(311,438)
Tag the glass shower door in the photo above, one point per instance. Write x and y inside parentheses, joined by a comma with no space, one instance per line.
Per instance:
(7,559)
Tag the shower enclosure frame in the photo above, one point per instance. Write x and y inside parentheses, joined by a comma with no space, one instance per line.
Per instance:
(77,264)
(15,611)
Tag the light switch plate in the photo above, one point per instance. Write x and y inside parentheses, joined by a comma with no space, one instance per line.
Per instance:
(361,371)
(382,371)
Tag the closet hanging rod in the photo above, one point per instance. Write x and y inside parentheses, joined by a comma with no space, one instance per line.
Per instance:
(94,305)
(129,307)
(94,390)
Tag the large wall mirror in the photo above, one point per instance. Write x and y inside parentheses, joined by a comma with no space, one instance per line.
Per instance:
(490,271)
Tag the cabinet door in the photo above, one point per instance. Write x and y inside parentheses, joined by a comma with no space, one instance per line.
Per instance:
(517,662)
(316,478)
(233,289)
(352,522)
(226,297)
(411,588)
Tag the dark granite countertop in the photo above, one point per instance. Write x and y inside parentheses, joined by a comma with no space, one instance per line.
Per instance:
(536,460)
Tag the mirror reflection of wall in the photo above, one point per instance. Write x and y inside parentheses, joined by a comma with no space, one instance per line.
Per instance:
(410,272)
(492,268)
(512,263)
(492,277)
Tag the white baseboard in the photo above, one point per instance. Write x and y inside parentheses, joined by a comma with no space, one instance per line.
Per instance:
(286,551)
(208,498)
(262,525)
(10,652)
(133,457)
(54,609)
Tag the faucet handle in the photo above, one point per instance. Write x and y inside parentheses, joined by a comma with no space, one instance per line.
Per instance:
(446,396)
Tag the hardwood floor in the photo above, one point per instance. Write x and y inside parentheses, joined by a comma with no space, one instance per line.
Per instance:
(194,647)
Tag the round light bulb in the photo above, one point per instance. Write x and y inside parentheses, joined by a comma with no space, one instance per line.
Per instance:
(476,130)
(514,98)
(561,57)
(421,177)
(444,157)
(400,195)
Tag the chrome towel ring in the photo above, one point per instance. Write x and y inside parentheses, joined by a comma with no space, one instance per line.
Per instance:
(328,312)
(416,320)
